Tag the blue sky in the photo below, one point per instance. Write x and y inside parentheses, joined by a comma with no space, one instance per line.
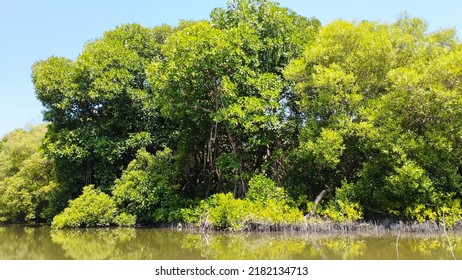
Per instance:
(35,30)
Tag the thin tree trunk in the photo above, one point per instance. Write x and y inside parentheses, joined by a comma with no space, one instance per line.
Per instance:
(316,202)
(447,237)
(240,189)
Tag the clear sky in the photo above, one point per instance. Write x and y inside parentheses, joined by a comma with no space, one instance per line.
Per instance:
(32,30)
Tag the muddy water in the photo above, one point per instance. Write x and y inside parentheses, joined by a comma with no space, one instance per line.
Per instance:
(37,243)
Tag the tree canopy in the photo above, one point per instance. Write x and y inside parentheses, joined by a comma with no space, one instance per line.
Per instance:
(25,176)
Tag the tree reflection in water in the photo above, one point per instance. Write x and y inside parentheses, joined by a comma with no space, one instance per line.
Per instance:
(20,242)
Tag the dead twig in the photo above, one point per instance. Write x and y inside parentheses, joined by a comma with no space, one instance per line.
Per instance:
(447,236)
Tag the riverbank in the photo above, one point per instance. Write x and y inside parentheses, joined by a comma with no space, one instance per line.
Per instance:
(322,226)
(311,226)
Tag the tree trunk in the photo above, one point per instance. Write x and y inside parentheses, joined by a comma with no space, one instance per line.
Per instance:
(316,202)
(240,188)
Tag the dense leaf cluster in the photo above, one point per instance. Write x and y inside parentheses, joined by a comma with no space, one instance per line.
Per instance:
(258,112)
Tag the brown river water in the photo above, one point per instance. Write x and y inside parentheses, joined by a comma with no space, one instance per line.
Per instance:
(43,243)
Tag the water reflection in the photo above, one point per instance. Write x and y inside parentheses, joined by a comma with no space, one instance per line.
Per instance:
(19,242)
(25,243)
(244,246)
(429,247)
(97,244)
(340,248)
(123,243)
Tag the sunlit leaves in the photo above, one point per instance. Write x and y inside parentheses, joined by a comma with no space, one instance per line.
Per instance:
(147,189)
(326,149)
(224,78)
(100,106)
(367,112)
(257,111)
(25,176)
(382,107)
(92,208)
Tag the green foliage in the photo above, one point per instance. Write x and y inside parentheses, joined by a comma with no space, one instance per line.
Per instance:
(224,211)
(92,208)
(421,213)
(326,150)
(409,185)
(280,32)
(265,205)
(25,176)
(369,111)
(100,108)
(342,207)
(125,220)
(449,214)
(380,114)
(146,188)
(263,189)
(342,211)
(221,84)
(275,213)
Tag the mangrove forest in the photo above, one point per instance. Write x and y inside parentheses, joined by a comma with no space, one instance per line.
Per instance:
(256,117)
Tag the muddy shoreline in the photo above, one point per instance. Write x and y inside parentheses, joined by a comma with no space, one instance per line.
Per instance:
(377,227)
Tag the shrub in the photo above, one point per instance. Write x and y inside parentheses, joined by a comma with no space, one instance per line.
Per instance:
(409,185)
(92,208)
(342,211)
(223,211)
(450,213)
(146,188)
(420,213)
(265,204)
(274,213)
(341,208)
(263,188)
(125,220)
